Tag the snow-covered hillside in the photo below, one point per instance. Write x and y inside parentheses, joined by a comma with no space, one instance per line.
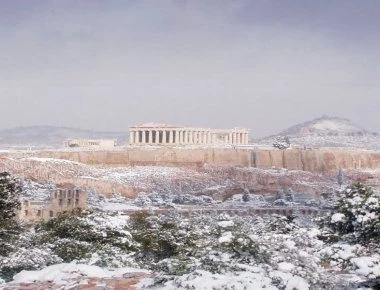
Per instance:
(218,182)
(328,132)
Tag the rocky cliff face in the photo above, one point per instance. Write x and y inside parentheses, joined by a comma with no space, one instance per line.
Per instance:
(312,160)
(317,160)
(220,182)
(196,171)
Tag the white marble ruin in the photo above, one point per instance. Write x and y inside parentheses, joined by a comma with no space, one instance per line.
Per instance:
(160,134)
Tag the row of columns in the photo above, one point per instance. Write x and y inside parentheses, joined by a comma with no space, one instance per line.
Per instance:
(184,137)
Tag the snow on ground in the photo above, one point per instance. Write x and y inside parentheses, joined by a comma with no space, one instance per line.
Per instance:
(204,280)
(333,125)
(51,160)
(62,274)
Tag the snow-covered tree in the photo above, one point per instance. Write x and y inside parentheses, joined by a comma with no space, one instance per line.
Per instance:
(10,189)
(246,197)
(357,215)
(282,142)
(340,177)
(10,229)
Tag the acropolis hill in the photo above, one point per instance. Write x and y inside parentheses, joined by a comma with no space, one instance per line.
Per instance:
(197,157)
(168,145)
(312,160)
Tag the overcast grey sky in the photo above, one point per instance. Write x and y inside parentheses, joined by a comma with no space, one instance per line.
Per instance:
(261,64)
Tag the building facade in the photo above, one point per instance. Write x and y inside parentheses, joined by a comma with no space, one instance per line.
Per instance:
(160,134)
(90,143)
(62,199)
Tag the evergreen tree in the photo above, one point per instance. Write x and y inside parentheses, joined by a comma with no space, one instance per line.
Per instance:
(246,197)
(340,177)
(282,142)
(10,189)
(357,215)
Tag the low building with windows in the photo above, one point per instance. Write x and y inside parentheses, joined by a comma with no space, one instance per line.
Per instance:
(60,200)
(72,143)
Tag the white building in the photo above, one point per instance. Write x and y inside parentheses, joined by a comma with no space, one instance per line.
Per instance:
(90,143)
(161,134)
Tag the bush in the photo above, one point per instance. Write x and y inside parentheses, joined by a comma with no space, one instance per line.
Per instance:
(80,233)
(69,250)
(157,237)
(357,215)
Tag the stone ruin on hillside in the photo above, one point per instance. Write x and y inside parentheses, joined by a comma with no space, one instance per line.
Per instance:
(65,198)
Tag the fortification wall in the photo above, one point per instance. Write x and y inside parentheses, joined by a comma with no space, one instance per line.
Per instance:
(313,160)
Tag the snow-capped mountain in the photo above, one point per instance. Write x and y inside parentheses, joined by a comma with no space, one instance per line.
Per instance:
(328,131)
(326,125)
(52,136)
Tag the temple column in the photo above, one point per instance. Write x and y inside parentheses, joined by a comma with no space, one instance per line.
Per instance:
(181,137)
(178,138)
(143,137)
(170,137)
(163,136)
(230,140)
(234,138)
(150,139)
(186,137)
(157,136)
(246,138)
(131,137)
(191,137)
(209,137)
(137,136)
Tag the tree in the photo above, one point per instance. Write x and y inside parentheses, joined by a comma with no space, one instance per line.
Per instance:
(10,190)
(282,142)
(357,215)
(246,197)
(340,177)
(10,229)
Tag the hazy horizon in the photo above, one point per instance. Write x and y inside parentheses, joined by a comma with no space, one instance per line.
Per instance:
(263,65)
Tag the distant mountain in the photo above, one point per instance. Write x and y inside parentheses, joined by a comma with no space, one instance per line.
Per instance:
(51,136)
(328,131)
(325,125)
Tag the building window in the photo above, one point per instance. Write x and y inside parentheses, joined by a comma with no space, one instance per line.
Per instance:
(68,193)
(55,194)
(39,212)
(60,201)
(68,201)
(76,201)
(51,213)
(26,213)
(61,193)
(77,193)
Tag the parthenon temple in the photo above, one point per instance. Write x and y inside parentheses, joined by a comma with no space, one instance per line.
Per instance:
(161,134)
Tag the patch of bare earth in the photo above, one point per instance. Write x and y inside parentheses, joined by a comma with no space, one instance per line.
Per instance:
(127,282)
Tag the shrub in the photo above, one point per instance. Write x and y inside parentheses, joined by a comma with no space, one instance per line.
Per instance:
(357,215)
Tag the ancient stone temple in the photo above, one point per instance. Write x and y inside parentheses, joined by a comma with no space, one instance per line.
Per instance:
(161,134)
